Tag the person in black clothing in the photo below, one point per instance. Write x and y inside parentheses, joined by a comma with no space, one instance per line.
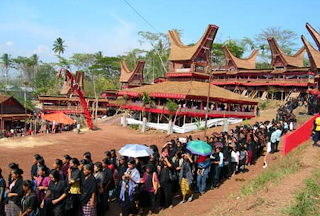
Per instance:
(87,156)
(12,166)
(73,179)
(166,183)
(29,200)
(14,193)
(113,158)
(88,192)
(57,164)
(34,170)
(57,192)
(121,170)
(107,182)
(2,190)
(99,175)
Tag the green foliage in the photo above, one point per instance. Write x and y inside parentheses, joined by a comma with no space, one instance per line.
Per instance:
(235,47)
(5,63)
(172,107)
(82,61)
(59,46)
(26,66)
(291,163)
(134,126)
(46,81)
(156,58)
(263,105)
(63,62)
(145,99)
(100,83)
(263,65)
(285,38)
(197,120)
(307,199)
(126,97)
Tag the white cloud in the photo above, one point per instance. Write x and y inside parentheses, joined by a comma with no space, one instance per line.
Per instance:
(41,49)
(9,43)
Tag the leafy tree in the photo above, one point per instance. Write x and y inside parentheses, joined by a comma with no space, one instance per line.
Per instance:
(157,57)
(109,67)
(285,38)
(46,81)
(34,62)
(26,66)
(59,46)
(63,62)
(82,61)
(145,100)
(6,63)
(234,46)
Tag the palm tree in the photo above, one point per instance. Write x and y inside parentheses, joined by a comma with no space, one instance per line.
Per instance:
(59,46)
(6,63)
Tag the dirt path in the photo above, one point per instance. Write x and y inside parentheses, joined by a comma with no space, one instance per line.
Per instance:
(276,198)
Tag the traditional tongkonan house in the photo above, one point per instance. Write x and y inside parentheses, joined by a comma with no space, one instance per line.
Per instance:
(187,85)
(131,79)
(51,104)
(70,103)
(12,113)
(288,77)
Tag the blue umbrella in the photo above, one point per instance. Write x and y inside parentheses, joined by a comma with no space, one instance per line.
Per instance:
(199,147)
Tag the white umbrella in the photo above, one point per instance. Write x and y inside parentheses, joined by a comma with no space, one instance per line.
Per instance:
(135,150)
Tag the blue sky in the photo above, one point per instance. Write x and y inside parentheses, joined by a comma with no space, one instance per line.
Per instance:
(111,26)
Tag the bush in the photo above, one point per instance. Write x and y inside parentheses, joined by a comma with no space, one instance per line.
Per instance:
(134,126)
(263,105)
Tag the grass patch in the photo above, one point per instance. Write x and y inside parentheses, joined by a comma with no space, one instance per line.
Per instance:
(307,200)
(289,164)
(134,126)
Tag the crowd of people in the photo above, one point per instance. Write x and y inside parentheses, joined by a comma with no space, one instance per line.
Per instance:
(145,185)
(37,126)
(141,185)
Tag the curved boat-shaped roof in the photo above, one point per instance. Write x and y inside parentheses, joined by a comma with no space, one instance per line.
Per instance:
(248,63)
(181,52)
(280,59)
(315,35)
(313,54)
(126,75)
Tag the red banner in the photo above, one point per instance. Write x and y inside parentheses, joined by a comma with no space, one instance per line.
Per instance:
(298,137)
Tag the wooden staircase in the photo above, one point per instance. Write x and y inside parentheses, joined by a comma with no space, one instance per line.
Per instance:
(264,95)
(253,94)
(244,93)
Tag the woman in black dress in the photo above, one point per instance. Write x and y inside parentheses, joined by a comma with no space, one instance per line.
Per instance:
(29,200)
(57,192)
(14,193)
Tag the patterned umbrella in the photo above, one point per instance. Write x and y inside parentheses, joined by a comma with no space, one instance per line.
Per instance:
(199,147)
(135,150)
(218,144)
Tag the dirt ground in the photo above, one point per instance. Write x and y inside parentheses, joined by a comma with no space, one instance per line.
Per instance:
(111,135)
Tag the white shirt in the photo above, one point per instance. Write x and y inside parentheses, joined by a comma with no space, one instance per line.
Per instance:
(235,156)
